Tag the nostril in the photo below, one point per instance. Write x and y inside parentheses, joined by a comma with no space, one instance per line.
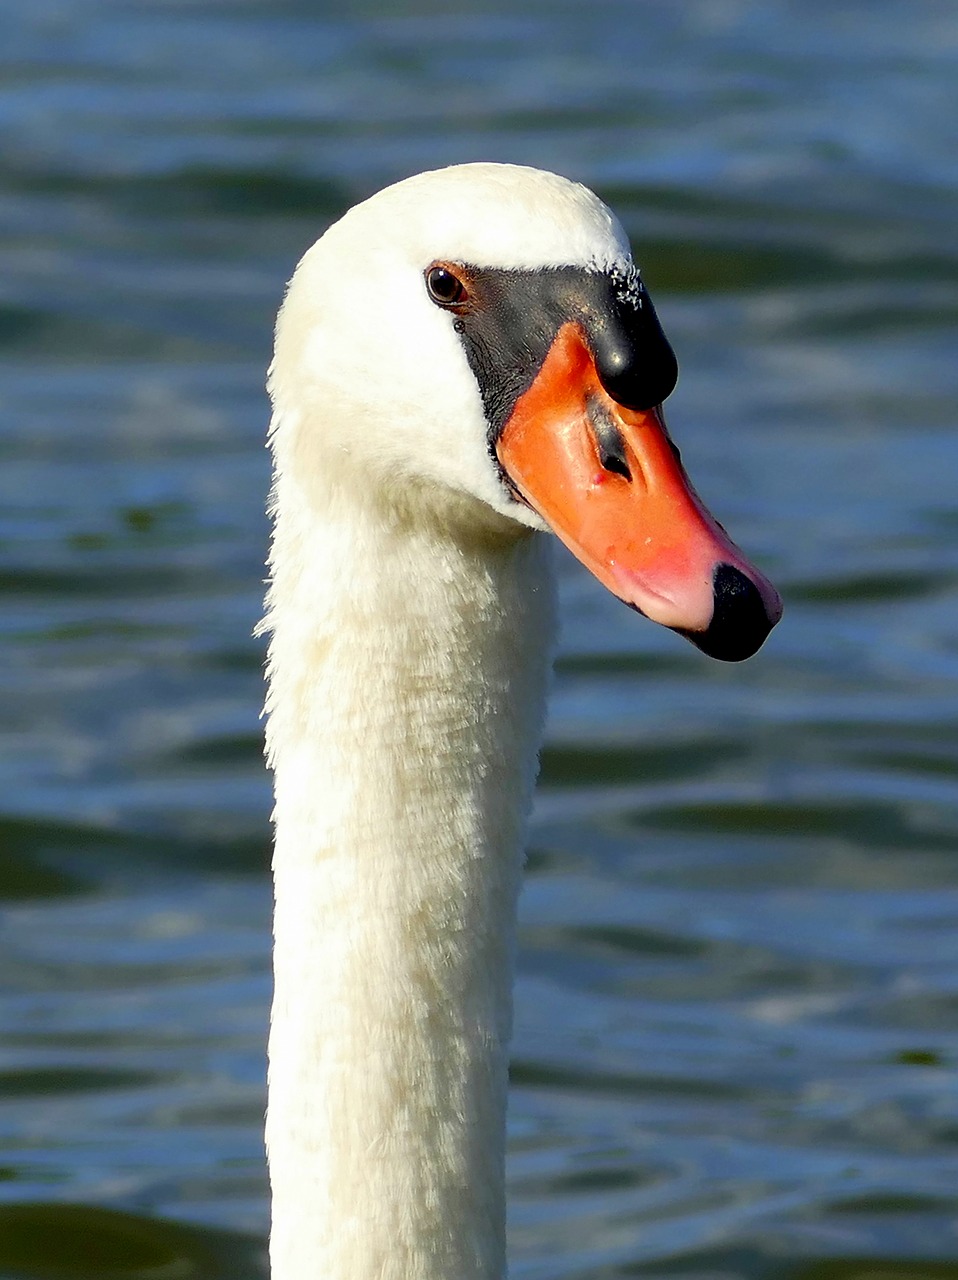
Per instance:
(608,439)
(740,621)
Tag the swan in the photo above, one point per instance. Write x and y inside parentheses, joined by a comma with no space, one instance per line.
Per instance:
(462,362)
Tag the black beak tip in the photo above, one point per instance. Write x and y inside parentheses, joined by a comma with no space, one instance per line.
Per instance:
(740,622)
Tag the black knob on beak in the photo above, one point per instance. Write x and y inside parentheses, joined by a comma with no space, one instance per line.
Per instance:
(634,361)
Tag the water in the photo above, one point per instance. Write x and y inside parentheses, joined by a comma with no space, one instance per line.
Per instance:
(736,1009)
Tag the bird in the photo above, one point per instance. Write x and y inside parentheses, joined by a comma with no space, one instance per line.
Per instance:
(465,363)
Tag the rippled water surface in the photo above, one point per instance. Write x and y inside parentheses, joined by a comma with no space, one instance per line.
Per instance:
(736,1025)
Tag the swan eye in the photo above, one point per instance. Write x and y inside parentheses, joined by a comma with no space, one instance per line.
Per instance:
(444,288)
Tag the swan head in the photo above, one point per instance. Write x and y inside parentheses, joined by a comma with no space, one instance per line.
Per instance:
(477,342)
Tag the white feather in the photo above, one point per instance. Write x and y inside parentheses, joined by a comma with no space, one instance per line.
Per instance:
(412,616)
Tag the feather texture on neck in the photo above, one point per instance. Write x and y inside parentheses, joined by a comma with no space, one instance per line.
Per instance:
(408,664)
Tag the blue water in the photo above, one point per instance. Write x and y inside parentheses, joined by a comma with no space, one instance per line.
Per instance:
(736,1011)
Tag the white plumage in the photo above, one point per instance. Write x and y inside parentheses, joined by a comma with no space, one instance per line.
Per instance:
(412,618)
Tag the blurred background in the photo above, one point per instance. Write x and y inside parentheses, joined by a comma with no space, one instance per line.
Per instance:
(736,1012)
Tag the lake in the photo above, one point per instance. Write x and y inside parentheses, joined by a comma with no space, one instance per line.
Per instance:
(737,1005)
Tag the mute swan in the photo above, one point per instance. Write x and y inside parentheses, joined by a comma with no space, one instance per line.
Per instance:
(463,361)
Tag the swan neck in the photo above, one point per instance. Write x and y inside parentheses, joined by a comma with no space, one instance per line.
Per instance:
(407,685)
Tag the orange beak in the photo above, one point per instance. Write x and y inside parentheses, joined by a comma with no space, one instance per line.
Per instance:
(609,482)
